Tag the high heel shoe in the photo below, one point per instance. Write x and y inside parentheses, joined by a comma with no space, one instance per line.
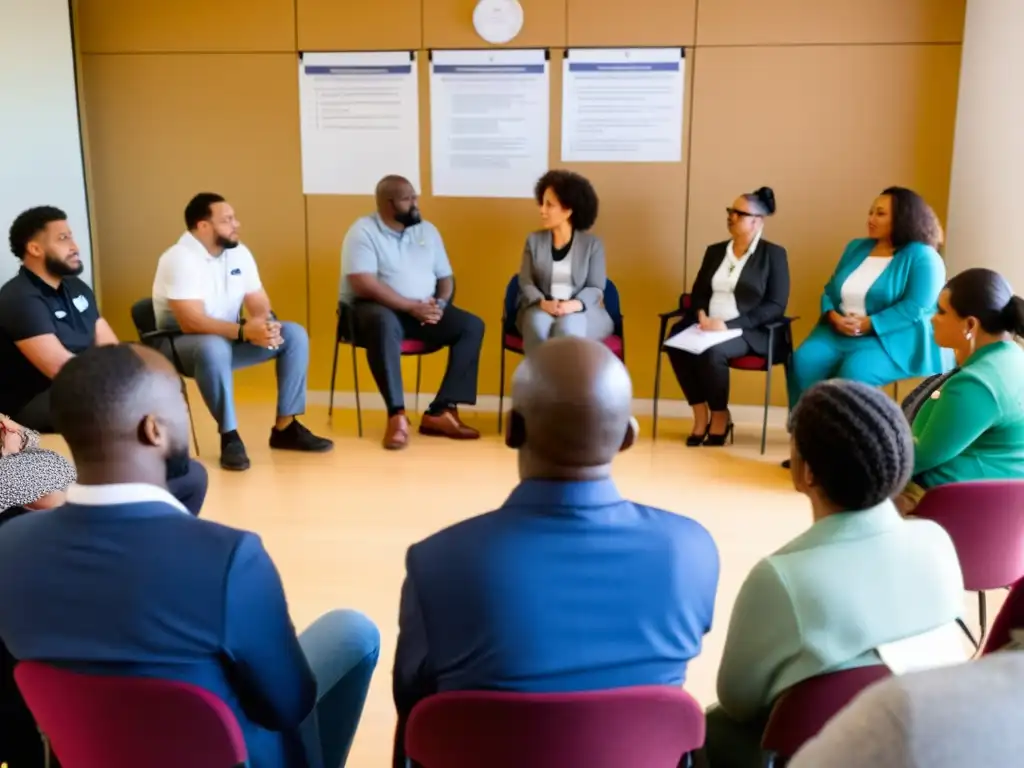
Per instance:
(717,441)
(694,440)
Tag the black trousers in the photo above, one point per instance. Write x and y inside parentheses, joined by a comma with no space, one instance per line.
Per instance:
(381,330)
(35,414)
(705,377)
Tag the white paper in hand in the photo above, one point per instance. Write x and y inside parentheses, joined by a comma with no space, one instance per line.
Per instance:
(696,341)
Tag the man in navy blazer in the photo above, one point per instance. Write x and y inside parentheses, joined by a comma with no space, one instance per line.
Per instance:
(122,580)
(567,586)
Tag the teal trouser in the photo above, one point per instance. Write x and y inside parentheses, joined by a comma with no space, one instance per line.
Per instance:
(826,354)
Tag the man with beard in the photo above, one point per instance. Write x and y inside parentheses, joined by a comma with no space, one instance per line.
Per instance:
(123,581)
(398,283)
(47,315)
(202,284)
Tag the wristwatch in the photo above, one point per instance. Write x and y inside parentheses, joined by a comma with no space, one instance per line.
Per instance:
(241,331)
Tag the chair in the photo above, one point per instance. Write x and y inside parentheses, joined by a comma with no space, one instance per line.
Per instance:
(641,727)
(144,318)
(802,711)
(1009,618)
(783,345)
(95,721)
(346,334)
(985,519)
(512,339)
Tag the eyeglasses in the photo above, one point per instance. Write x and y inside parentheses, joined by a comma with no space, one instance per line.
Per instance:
(741,214)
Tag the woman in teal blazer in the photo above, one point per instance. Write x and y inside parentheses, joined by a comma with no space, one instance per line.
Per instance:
(876,308)
(969,424)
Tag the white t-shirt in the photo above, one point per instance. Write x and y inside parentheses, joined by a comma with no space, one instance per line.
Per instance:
(561,278)
(855,290)
(723,283)
(186,271)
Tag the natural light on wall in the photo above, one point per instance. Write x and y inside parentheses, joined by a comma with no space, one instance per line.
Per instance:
(40,137)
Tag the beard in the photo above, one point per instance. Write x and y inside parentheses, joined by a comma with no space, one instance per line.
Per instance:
(225,243)
(409,218)
(59,268)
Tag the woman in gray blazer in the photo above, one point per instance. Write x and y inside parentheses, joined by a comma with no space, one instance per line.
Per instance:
(562,277)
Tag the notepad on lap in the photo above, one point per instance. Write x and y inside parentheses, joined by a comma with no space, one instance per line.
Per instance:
(695,341)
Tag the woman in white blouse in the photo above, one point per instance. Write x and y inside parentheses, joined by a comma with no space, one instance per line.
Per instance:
(562,276)
(877,307)
(743,284)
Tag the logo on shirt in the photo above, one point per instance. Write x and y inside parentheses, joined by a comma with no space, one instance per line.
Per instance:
(60,314)
(236,271)
(81,303)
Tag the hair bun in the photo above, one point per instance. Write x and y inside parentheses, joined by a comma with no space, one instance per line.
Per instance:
(767,198)
(1013,314)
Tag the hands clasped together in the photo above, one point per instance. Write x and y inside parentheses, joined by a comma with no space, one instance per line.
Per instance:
(263,332)
(849,325)
(559,308)
(428,312)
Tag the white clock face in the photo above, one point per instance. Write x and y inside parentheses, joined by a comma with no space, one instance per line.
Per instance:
(498,21)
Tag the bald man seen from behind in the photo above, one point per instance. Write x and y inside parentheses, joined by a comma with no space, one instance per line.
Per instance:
(567,586)
(122,580)
(398,284)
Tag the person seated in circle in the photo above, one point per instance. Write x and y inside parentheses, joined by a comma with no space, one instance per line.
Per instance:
(562,276)
(968,424)
(743,284)
(861,578)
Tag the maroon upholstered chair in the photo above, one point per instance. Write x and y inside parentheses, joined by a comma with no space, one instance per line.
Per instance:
(346,334)
(802,711)
(94,721)
(985,519)
(512,340)
(780,352)
(1010,617)
(641,727)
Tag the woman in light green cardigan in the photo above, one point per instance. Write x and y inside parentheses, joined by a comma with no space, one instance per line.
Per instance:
(968,424)
(861,577)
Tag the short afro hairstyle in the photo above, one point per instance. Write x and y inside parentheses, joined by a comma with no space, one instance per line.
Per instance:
(856,441)
(29,224)
(913,220)
(198,208)
(574,192)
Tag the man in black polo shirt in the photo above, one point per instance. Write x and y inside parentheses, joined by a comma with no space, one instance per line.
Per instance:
(47,315)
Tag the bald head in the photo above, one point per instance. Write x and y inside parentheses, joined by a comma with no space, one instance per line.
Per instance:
(572,402)
(116,403)
(396,202)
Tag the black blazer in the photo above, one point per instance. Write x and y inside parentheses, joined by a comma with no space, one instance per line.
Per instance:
(762,291)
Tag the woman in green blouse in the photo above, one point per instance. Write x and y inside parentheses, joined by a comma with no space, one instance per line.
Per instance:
(968,424)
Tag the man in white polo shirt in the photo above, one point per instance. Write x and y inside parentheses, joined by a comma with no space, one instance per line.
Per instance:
(202,283)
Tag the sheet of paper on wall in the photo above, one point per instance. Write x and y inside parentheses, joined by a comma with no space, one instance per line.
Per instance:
(623,105)
(489,122)
(360,120)
(696,341)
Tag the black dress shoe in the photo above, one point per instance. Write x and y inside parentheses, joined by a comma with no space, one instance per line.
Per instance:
(693,439)
(717,441)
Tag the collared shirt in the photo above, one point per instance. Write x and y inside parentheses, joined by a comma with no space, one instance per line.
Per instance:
(121,493)
(29,307)
(723,283)
(187,271)
(409,262)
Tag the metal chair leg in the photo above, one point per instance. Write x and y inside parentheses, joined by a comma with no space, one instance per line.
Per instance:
(982,616)
(191,421)
(334,373)
(419,375)
(970,635)
(657,394)
(767,401)
(501,388)
(355,385)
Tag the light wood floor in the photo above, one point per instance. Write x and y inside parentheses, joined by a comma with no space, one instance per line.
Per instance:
(338,525)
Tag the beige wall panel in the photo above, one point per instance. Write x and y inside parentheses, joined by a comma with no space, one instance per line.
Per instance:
(624,23)
(329,25)
(135,26)
(828,128)
(449,24)
(236,133)
(782,22)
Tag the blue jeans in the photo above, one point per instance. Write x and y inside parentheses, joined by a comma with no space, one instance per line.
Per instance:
(211,361)
(342,648)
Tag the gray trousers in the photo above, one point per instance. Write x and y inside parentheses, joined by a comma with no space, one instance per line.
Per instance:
(538,326)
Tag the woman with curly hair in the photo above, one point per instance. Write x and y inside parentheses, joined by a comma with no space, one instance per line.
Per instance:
(876,310)
(562,277)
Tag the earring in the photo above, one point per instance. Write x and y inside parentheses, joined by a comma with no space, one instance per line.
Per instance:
(968,335)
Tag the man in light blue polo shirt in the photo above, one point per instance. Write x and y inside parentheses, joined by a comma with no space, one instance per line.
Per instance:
(396,278)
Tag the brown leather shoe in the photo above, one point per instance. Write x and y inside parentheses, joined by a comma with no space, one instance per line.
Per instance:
(447,424)
(396,436)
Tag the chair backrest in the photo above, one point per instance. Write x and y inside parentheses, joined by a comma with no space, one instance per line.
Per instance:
(802,711)
(985,519)
(97,721)
(144,316)
(1010,617)
(642,727)
(613,305)
(511,306)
